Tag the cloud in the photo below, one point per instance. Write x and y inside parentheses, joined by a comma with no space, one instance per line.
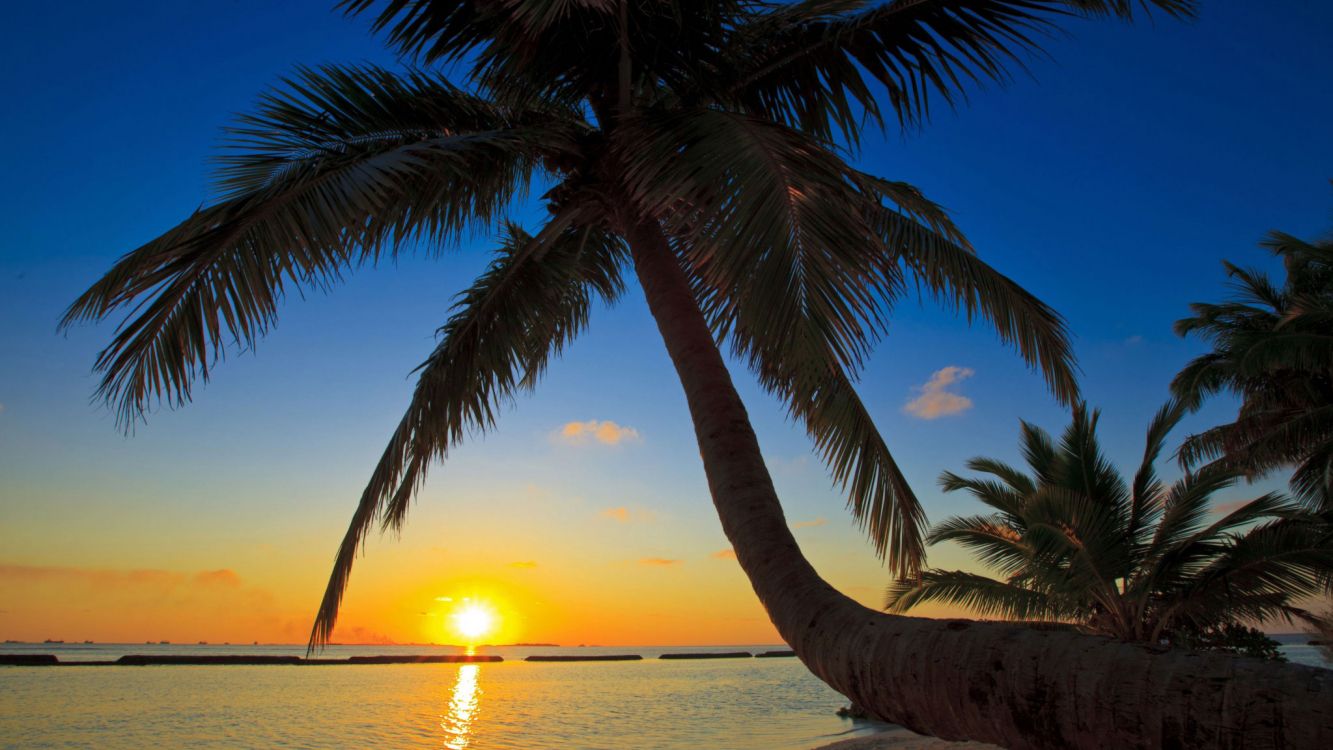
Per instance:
(1134,340)
(724,554)
(623,514)
(222,578)
(935,400)
(102,578)
(658,562)
(523,564)
(809,524)
(2,408)
(94,577)
(605,432)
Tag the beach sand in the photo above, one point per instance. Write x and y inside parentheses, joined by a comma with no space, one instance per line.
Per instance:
(901,739)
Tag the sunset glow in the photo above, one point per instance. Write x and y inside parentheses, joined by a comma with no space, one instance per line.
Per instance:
(473,621)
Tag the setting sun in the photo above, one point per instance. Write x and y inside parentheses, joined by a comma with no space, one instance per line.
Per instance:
(473,621)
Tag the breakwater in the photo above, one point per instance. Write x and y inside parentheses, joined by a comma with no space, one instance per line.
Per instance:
(145,660)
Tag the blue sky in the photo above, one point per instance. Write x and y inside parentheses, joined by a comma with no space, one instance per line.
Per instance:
(1111,181)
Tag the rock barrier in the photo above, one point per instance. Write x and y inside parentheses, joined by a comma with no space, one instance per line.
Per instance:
(710,655)
(589,657)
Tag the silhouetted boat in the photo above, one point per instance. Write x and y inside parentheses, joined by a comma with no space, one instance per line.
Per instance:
(52,640)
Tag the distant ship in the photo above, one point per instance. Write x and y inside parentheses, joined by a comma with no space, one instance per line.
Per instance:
(52,640)
(203,643)
(87,641)
(164,643)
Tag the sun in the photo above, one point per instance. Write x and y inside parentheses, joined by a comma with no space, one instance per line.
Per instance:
(473,620)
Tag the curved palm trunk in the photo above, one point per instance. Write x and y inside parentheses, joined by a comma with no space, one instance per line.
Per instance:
(1008,684)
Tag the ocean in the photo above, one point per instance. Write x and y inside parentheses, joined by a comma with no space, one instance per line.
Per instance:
(745,704)
(728,704)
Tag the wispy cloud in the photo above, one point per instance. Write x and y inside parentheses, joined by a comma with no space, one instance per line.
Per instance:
(625,514)
(724,554)
(106,578)
(658,562)
(523,564)
(222,578)
(935,400)
(604,431)
(809,524)
(1134,340)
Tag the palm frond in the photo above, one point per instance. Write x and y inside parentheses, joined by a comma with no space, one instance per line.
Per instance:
(825,401)
(997,542)
(1146,491)
(344,164)
(1000,496)
(532,301)
(767,215)
(820,66)
(957,277)
(985,596)
(1262,572)
(1016,480)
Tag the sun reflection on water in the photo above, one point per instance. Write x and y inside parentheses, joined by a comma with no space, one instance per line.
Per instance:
(463,703)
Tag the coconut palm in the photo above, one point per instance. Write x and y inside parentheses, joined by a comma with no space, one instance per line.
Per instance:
(1272,347)
(694,146)
(1137,560)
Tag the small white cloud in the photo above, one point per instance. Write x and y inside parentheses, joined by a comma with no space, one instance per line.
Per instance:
(809,524)
(935,400)
(605,431)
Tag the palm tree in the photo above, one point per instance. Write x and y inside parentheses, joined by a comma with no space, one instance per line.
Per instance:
(1137,560)
(1272,347)
(695,144)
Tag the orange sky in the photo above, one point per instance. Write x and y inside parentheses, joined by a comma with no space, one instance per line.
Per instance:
(556,565)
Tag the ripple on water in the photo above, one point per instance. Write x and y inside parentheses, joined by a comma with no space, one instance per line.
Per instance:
(744,704)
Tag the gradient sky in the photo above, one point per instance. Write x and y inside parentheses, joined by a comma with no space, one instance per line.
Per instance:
(1111,182)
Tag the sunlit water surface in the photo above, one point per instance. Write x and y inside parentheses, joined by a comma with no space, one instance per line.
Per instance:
(743,704)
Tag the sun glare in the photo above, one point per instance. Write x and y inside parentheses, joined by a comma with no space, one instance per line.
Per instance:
(473,621)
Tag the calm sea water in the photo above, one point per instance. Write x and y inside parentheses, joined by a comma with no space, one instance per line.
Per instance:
(742,704)
(745,704)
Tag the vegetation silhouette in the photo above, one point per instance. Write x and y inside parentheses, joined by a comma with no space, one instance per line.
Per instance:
(1138,559)
(1273,348)
(701,146)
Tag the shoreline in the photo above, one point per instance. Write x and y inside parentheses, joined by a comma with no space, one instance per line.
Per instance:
(898,738)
